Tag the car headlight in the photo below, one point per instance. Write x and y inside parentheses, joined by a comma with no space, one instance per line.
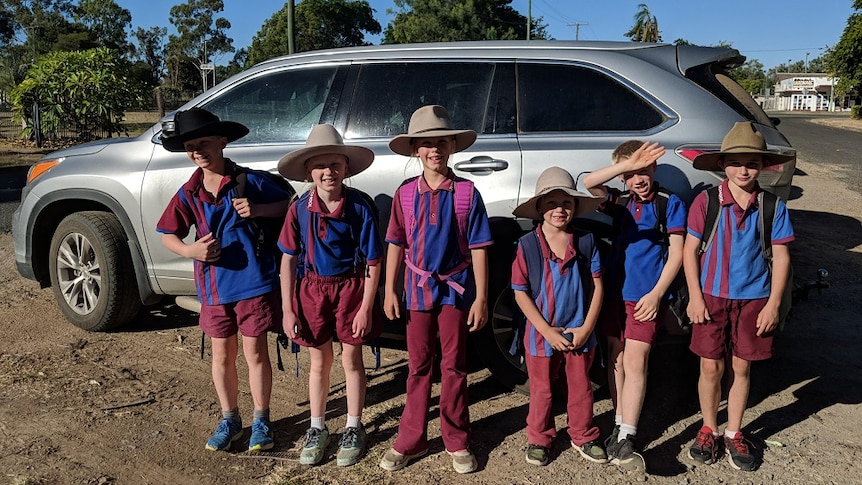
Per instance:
(40,168)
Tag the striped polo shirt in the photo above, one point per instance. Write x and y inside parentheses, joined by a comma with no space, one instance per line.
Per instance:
(561,299)
(332,243)
(736,248)
(238,274)
(434,246)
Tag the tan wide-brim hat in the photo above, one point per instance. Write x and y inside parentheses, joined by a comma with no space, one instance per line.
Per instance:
(742,138)
(430,121)
(556,178)
(324,140)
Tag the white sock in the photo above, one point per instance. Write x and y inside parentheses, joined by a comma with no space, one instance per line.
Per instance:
(618,419)
(318,423)
(626,430)
(730,434)
(353,421)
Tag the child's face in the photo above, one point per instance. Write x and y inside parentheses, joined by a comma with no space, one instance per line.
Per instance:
(327,171)
(206,151)
(434,152)
(640,182)
(742,169)
(557,208)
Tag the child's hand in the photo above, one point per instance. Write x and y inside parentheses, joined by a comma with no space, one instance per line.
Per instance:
(206,249)
(697,312)
(478,316)
(579,337)
(243,207)
(290,324)
(646,309)
(558,341)
(645,156)
(361,323)
(391,306)
(767,320)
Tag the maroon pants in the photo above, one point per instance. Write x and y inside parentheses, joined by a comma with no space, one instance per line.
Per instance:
(454,412)
(543,371)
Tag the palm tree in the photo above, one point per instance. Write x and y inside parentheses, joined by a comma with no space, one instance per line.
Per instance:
(645,28)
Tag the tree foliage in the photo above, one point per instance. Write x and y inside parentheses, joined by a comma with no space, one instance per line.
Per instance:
(201,36)
(89,90)
(454,20)
(319,24)
(105,21)
(151,50)
(645,28)
(845,58)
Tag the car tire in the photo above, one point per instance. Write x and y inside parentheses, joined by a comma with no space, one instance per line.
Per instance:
(92,274)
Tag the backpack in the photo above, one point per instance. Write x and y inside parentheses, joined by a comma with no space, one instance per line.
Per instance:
(767,203)
(677,292)
(463,203)
(535,270)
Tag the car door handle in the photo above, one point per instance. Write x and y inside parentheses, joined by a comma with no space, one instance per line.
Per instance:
(482,164)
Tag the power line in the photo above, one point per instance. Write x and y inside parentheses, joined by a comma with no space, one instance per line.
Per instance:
(577,26)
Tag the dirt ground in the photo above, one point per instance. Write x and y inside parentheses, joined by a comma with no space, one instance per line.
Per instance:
(136,406)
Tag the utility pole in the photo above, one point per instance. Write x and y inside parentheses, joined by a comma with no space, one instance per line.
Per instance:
(290,27)
(529,17)
(577,26)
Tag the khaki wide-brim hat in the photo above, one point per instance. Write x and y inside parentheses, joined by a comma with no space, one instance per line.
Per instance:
(556,178)
(197,123)
(430,121)
(324,140)
(742,138)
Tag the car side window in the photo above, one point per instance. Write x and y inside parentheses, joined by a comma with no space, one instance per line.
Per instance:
(277,107)
(568,98)
(387,94)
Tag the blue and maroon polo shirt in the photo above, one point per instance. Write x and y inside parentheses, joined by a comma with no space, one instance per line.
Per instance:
(434,245)
(332,243)
(736,249)
(238,274)
(562,296)
(642,241)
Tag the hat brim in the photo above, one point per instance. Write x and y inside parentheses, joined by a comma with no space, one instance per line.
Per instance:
(229,129)
(712,160)
(292,166)
(586,204)
(402,145)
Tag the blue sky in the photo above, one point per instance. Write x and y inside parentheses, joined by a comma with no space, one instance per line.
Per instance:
(771,31)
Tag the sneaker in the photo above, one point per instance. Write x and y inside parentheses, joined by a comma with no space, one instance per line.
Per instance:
(316,441)
(261,436)
(611,440)
(228,431)
(463,461)
(626,457)
(704,450)
(592,451)
(393,460)
(537,455)
(351,446)
(738,454)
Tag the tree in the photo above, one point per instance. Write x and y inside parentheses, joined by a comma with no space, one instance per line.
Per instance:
(750,76)
(151,49)
(201,36)
(89,90)
(645,28)
(845,58)
(37,24)
(106,20)
(319,24)
(453,20)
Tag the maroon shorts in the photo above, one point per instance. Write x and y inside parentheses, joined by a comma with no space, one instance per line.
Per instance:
(732,328)
(643,331)
(326,307)
(252,317)
(612,318)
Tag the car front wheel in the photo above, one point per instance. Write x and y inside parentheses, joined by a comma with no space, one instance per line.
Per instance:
(92,273)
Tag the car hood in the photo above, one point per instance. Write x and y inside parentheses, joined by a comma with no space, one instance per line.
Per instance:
(88,148)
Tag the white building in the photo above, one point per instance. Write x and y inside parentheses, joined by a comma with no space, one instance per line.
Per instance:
(803,92)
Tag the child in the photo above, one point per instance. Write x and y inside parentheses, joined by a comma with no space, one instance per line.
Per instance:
(651,257)
(733,316)
(440,229)
(330,235)
(549,274)
(238,288)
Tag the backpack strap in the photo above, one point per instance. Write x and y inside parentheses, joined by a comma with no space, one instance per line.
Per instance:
(586,243)
(713,208)
(463,203)
(407,195)
(533,257)
(766,202)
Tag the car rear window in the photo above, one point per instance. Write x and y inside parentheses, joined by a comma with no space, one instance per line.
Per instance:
(715,79)
(568,98)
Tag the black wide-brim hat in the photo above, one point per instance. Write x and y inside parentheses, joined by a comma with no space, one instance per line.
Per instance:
(196,123)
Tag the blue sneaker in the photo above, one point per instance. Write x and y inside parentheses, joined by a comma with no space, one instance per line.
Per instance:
(261,436)
(226,433)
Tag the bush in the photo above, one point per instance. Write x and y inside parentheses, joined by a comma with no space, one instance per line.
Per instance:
(856,112)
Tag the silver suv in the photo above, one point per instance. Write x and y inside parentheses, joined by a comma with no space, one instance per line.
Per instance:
(86,223)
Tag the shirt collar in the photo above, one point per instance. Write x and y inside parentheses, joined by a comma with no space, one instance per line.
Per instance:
(546,248)
(725,198)
(316,205)
(448,183)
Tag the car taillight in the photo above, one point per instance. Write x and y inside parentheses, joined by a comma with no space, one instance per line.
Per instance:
(690,153)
